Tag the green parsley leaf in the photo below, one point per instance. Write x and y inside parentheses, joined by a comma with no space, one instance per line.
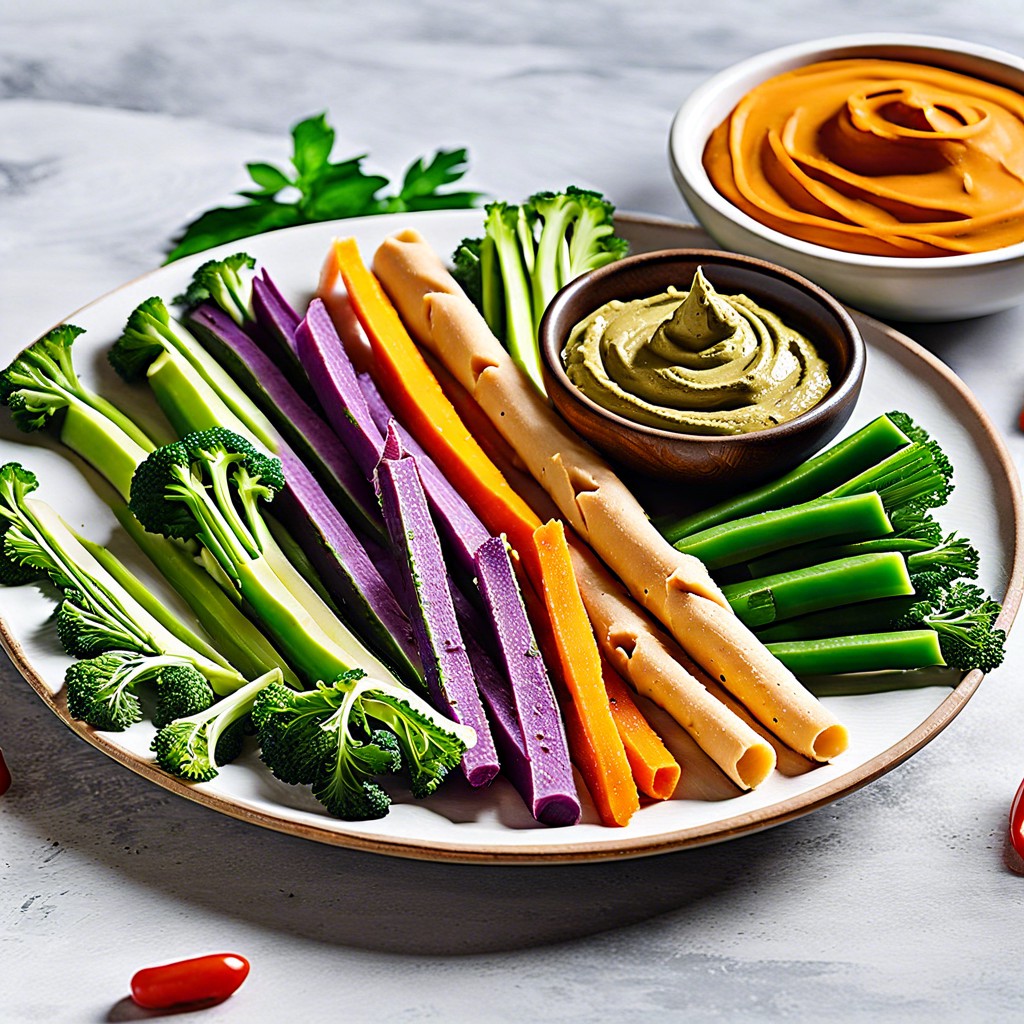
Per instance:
(324,191)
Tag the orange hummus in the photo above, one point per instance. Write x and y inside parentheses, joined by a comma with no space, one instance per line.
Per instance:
(877,156)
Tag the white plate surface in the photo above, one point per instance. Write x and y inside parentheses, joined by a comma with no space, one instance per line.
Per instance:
(458,823)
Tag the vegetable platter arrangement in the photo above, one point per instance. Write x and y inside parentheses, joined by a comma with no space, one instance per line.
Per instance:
(299,559)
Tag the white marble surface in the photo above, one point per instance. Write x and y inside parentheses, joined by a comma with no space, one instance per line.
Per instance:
(119,121)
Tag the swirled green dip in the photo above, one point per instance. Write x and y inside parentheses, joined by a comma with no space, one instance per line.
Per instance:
(696,362)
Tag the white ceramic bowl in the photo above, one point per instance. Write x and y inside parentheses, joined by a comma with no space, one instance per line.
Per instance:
(929,288)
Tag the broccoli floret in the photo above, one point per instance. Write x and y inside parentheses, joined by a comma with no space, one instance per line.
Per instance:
(914,524)
(466,269)
(949,560)
(41,385)
(226,283)
(527,254)
(964,619)
(909,427)
(190,746)
(919,476)
(182,691)
(147,334)
(102,690)
(85,630)
(339,737)
(182,490)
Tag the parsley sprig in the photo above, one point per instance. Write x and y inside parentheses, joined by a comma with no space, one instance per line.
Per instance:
(317,189)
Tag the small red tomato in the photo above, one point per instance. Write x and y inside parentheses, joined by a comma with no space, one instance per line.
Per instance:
(203,979)
(5,775)
(1017,821)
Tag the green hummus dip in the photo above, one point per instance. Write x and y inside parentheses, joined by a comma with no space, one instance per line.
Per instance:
(696,362)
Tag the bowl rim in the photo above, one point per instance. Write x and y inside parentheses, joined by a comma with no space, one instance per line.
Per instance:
(687,159)
(551,347)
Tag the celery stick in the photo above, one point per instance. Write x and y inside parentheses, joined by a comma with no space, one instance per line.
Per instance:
(830,585)
(860,516)
(826,471)
(873,652)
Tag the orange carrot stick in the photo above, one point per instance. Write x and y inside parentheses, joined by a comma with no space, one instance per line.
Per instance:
(418,401)
(597,750)
(655,771)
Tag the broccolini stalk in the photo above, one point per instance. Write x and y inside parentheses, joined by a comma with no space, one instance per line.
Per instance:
(42,384)
(210,486)
(97,613)
(114,445)
(191,746)
(830,585)
(960,615)
(151,332)
(911,649)
(919,476)
(914,531)
(340,736)
(527,254)
(827,470)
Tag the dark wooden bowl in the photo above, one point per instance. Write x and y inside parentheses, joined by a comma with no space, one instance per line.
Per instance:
(734,459)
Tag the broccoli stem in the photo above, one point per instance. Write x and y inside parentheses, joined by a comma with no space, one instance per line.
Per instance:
(241,642)
(145,597)
(104,445)
(874,652)
(846,581)
(858,516)
(77,568)
(211,372)
(827,470)
(493,295)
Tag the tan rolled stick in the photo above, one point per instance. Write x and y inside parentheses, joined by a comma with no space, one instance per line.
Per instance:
(676,588)
(649,660)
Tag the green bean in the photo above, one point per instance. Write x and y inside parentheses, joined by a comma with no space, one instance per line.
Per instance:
(813,478)
(859,516)
(830,585)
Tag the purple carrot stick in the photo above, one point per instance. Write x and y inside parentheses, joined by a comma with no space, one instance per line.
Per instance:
(272,311)
(298,423)
(549,793)
(442,650)
(549,778)
(350,411)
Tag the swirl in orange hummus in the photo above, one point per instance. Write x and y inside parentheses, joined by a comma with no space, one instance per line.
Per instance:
(880,157)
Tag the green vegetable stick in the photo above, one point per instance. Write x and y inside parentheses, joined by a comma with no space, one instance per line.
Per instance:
(830,585)
(912,648)
(827,470)
(860,516)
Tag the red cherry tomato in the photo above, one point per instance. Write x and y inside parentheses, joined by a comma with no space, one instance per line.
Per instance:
(1017,821)
(5,775)
(203,979)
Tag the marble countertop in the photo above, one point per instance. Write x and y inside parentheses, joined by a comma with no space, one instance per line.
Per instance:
(120,121)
